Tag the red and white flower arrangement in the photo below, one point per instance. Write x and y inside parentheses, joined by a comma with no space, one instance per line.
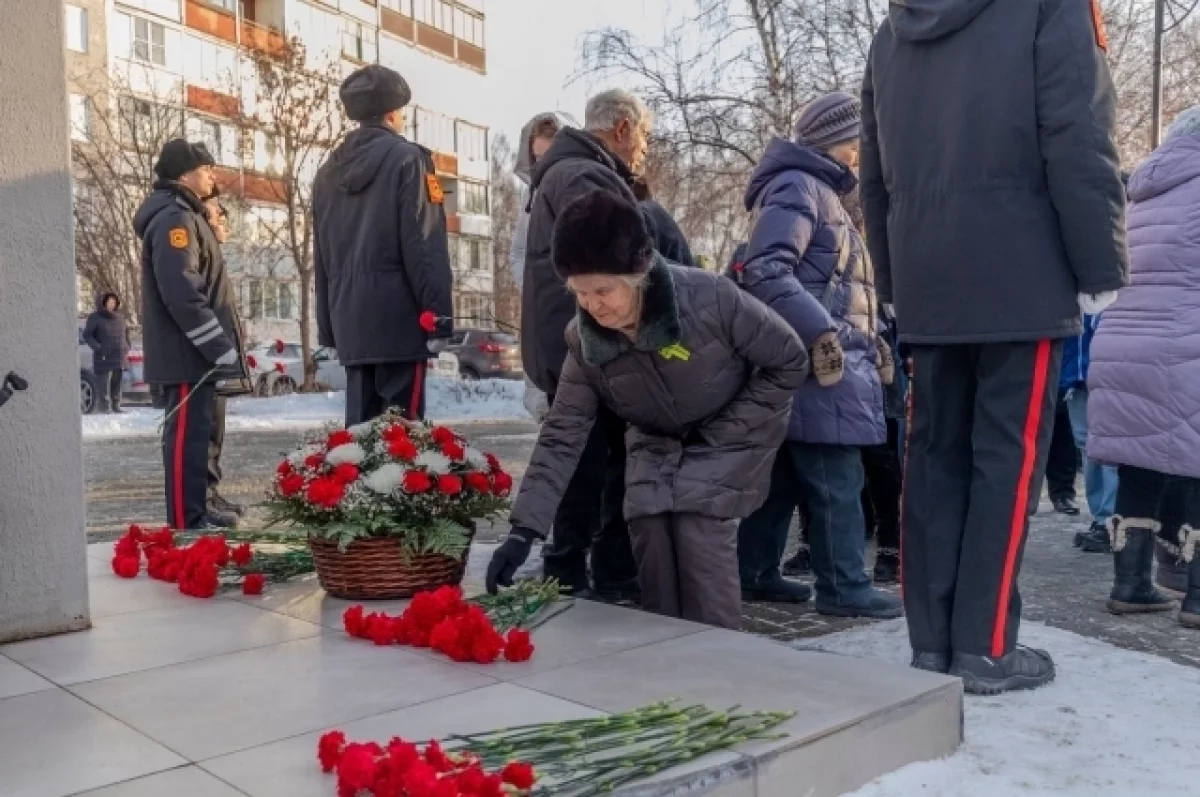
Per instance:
(444,621)
(402,769)
(390,478)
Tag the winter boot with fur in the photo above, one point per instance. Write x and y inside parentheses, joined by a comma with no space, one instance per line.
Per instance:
(1189,612)
(1133,590)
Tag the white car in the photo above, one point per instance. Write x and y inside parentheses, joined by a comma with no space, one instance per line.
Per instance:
(277,369)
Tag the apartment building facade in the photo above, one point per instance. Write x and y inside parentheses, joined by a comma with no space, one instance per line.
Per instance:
(194,56)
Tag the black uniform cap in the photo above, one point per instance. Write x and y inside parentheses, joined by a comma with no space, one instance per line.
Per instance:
(372,91)
(179,156)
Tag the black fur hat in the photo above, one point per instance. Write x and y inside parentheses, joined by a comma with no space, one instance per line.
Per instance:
(600,233)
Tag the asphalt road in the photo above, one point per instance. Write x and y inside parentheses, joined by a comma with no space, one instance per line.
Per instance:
(1060,585)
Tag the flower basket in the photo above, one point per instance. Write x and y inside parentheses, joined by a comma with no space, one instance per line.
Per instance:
(389,506)
(380,568)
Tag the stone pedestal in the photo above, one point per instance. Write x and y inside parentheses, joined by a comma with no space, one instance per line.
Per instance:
(43,580)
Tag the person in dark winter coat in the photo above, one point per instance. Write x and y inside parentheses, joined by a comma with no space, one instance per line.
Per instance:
(703,375)
(107,335)
(381,259)
(994,211)
(806,260)
(669,240)
(190,326)
(588,526)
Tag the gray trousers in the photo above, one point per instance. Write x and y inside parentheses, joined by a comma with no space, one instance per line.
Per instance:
(688,567)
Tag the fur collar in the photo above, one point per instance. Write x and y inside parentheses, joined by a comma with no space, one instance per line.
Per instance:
(659,328)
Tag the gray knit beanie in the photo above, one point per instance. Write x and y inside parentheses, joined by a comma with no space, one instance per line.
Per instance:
(1187,123)
(829,120)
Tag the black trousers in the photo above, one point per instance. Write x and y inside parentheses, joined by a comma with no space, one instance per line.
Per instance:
(881,496)
(590,516)
(1062,463)
(371,390)
(980,419)
(216,442)
(187,434)
(110,389)
(1148,499)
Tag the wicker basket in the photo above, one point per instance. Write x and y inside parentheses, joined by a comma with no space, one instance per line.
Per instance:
(377,569)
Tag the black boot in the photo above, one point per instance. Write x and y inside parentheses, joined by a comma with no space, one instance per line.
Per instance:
(221,505)
(1133,591)
(800,564)
(772,587)
(1023,668)
(1172,572)
(1189,612)
(931,662)
(1096,540)
(887,566)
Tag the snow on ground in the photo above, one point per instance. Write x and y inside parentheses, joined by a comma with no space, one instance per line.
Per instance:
(1114,722)
(447,401)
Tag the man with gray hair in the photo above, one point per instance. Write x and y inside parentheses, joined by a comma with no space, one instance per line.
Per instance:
(606,155)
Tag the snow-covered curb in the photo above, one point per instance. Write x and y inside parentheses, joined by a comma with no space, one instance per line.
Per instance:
(447,401)
(1114,723)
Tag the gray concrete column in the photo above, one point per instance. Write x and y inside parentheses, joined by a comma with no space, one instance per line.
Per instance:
(43,571)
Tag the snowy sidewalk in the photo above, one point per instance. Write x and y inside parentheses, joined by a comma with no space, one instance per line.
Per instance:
(447,401)
(1114,723)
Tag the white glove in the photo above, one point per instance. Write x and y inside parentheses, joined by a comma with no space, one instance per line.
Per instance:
(1096,303)
(228,358)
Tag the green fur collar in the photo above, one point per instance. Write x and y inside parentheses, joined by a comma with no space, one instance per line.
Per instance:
(659,328)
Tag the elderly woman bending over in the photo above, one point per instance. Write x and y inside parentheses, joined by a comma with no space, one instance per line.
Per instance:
(703,374)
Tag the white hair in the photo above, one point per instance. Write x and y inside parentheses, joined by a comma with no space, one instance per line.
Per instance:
(608,108)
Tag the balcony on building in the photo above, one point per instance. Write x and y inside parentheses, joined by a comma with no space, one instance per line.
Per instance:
(450,29)
(213,102)
(262,26)
(215,17)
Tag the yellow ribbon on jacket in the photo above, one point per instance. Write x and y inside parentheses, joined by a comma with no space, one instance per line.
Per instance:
(675,350)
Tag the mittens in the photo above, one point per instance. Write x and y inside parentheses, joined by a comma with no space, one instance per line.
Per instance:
(887,362)
(828,359)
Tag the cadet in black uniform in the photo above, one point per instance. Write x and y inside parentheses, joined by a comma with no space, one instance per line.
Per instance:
(380,252)
(192,340)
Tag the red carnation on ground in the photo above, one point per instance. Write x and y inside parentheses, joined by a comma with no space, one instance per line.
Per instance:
(358,768)
(492,461)
(199,578)
(326,492)
(329,750)
(379,629)
(441,435)
(127,566)
(518,646)
(291,485)
(417,481)
(402,449)
(354,622)
(449,485)
(502,483)
(242,554)
(519,774)
(345,473)
(436,757)
(340,438)
(428,321)
(478,482)
(454,450)
(253,584)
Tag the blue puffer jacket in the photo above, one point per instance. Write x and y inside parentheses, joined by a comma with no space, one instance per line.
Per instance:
(789,261)
(1077,353)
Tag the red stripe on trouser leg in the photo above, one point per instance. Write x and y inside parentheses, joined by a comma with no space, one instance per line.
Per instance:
(1029,440)
(414,404)
(180,443)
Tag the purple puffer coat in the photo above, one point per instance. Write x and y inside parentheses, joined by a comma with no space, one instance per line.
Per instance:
(1144,380)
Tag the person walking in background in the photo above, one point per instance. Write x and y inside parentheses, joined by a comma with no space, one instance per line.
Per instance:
(883,471)
(191,335)
(1063,457)
(988,245)
(669,240)
(1099,481)
(806,261)
(381,260)
(703,375)
(589,524)
(107,335)
(1144,378)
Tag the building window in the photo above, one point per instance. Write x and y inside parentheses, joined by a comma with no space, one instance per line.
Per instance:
(149,42)
(474,308)
(145,124)
(468,27)
(77,29)
(287,306)
(274,153)
(434,130)
(210,134)
(255,306)
(228,5)
(358,41)
(404,7)
(81,118)
(471,254)
(271,300)
(436,13)
(472,198)
(470,141)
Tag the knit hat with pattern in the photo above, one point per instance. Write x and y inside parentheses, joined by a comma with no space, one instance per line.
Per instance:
(828,121)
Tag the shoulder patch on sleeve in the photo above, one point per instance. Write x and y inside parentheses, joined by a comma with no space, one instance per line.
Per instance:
(434,186)
(178,237)
(1098,24)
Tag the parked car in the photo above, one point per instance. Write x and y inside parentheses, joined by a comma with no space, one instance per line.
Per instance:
(277,369)
(134,389)
(486,354)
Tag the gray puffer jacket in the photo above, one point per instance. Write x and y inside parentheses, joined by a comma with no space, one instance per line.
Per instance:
(706,390)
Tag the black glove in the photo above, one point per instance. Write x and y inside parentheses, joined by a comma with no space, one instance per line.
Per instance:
(511,554)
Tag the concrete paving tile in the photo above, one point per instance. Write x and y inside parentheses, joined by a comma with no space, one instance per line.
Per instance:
(127,643)
(53,744)
(288,768)
(303,599)
(182,782)
(228,703)
(109,595)
(17,680)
